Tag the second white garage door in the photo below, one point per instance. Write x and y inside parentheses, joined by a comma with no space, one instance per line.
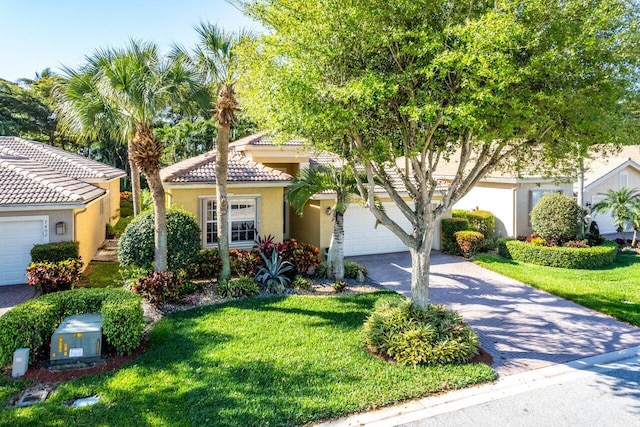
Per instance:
(361,237)
(17,237)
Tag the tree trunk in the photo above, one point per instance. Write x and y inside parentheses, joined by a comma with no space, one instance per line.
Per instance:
(222,207)
(420,260)
(160,219)
(135,183)
(335,260)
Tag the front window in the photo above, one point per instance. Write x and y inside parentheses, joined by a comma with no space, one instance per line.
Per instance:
(536,195)
(243,221)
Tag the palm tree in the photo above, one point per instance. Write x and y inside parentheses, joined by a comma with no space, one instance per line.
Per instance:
(623,204)
(126,92)
(215,60)
(314,180)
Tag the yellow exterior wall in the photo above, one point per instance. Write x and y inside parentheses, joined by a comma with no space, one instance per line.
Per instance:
(112,201)
(89,228)
(270,210)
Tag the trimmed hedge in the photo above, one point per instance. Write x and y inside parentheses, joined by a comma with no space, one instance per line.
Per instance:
(469,242)
(449,227)
(559,256)
(458,213)
(55,252)
(483,222)
(32,323)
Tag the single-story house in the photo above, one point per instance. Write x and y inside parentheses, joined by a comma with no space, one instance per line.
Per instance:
(51,195)
(259,172)
(609,172)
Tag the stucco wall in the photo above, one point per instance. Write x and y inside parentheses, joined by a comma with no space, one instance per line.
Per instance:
(89,229)
(112,200)
(613,183)
(523,203)
(496,198)
(270,209)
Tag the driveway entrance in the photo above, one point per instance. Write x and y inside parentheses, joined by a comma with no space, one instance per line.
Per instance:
(521,327)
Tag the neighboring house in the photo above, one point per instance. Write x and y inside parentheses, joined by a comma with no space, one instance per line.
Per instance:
(259,172)
(609,172)
(50,195)
(509,198)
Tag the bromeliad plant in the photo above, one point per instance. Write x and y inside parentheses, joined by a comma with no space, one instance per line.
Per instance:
(272,276)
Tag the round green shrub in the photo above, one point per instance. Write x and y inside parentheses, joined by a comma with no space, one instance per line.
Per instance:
(32,323)
(559,256)
(408,334)
(136,246)
(469,242)
(556,218)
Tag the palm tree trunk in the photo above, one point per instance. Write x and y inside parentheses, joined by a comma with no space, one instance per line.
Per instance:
(160,219)
(335,260)
(135,182)
(222,206)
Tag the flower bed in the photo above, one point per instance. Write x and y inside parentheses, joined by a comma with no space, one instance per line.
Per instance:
(559,256)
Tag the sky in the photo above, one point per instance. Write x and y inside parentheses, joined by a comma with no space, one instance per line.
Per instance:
(36,34)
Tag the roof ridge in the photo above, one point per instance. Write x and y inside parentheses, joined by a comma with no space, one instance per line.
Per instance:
(33,176)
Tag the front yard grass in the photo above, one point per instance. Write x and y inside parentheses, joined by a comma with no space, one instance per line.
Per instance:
(613,290)
(101,275)
(259,361)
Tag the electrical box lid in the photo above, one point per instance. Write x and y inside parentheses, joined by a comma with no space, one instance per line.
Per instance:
(80,323)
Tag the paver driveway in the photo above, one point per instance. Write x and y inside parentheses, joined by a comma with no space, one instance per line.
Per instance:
(521,327)
(13,295)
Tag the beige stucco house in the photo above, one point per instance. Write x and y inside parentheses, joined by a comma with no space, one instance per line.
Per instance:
(606,172)
(50,195)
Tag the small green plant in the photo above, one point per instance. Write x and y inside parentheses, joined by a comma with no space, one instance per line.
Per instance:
(237,288)
(49,277)
(353,270)
(321,270)
(340,286)
(272,277)
(409,334)
(110,232)
(302,283)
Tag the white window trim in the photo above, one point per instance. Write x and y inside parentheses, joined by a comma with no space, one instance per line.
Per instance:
(624,176)
(203,219)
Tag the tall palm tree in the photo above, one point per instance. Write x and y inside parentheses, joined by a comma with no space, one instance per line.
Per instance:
(127,91)
(623,205)
(314,180)
(215,60)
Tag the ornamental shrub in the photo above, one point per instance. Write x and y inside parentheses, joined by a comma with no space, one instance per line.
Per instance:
(469,242)
(409,334)
(304,257)
(482,221)
(352,269)
(459,213)
(556,218)
(558,256)
(206,265)
(449,227)
(55,252)
(49,277)
(159,287)
(136,246)
(245,263)
(32,323)
(238,288)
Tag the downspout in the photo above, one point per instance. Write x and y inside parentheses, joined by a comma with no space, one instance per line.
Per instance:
(75,221)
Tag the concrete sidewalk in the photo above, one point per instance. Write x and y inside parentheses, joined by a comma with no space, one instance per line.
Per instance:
(521,327)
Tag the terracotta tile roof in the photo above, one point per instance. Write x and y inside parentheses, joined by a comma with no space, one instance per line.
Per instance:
(202,169)
(24,182)
(69,164)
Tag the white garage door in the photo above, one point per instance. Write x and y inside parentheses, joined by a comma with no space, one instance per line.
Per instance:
(361,237)
(17,237)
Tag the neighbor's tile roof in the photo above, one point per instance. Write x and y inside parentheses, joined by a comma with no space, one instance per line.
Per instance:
(69,164)
(202,169)
(24,182)
(264,140)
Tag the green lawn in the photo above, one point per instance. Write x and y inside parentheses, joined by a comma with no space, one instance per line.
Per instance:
(259,361)
(613,290)
(101,275)
(126,215)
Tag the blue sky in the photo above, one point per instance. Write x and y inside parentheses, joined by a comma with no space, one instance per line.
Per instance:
(36,34)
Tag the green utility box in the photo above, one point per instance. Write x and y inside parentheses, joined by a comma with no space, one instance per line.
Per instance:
(78,338)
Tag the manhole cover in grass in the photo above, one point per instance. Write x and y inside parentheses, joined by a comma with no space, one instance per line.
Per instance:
(33,397)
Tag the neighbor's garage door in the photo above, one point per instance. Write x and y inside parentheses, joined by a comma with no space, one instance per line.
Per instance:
(361,237)
(17,237)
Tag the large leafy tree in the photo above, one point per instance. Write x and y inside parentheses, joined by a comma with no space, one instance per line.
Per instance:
(317,179)
(125,93)
(624,205)
(215,60)
(411,84)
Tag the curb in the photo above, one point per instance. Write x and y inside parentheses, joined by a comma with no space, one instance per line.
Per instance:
(505,386)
